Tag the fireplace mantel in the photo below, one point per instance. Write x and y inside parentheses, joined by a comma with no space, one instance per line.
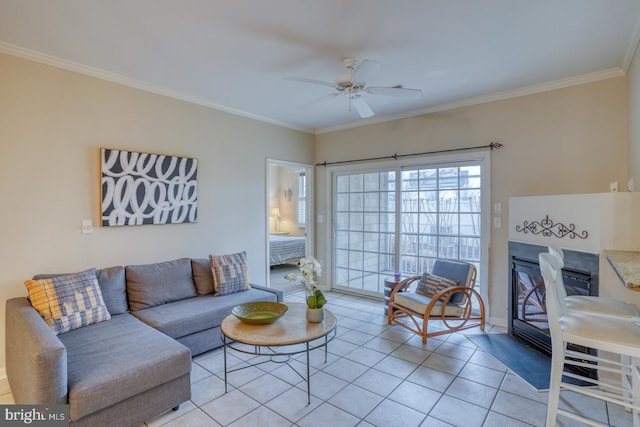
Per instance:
(600,220)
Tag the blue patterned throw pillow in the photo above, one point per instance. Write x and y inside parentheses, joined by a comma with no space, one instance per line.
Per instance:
(229,273)
(68,302)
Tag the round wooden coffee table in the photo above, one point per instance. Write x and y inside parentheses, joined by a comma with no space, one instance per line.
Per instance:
(287,336)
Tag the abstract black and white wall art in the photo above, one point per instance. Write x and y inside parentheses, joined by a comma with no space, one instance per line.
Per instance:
(142,188)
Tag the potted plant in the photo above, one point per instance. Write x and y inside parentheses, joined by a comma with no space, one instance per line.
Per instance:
(310,271)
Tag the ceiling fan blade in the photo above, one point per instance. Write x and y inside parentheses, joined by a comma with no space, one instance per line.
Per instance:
(319,101)
(398,92)
(361,106)
(312,81)
(365,69)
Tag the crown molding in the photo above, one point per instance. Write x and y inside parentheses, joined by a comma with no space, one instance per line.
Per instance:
(53,61)
(483,99)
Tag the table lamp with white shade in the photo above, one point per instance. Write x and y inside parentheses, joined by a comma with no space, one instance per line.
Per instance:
(275,213)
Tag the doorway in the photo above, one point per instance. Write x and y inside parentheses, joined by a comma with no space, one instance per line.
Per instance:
(288,220)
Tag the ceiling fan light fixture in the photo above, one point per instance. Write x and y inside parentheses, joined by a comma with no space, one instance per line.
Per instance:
(350,63)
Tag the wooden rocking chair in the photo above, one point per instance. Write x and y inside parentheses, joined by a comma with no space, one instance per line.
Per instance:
(451,301)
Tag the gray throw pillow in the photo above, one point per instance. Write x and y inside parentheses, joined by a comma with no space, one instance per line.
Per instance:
(150,285)
(114,289)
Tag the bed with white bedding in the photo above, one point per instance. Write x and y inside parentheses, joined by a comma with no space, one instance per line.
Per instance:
(285,248)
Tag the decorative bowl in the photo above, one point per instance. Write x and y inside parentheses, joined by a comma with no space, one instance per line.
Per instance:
(259,312)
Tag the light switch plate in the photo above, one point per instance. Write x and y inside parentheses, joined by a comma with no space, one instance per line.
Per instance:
(497,222)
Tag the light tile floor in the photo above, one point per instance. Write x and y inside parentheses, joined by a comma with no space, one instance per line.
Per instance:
(375,376)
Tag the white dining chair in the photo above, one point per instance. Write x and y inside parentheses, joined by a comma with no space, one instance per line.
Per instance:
(600,333)
(594,304)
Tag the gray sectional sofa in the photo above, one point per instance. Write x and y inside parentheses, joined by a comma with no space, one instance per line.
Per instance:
(134,366)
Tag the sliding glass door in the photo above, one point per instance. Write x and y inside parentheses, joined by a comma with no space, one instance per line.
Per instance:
(365,235)
(440,216)
(403,219)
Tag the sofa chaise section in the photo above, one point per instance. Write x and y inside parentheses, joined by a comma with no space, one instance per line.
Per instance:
(116,360)
(100,370)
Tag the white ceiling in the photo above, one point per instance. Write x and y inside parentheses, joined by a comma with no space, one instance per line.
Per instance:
(234,55)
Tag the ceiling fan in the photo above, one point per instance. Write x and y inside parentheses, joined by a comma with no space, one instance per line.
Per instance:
(353,85)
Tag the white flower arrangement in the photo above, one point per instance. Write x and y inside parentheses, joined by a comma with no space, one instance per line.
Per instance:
(310,271)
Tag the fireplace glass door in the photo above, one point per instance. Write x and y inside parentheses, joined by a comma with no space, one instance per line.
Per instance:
(531,297)
(529,305)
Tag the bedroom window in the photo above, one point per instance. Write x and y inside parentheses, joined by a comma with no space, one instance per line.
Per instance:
(302,199)
(404,218)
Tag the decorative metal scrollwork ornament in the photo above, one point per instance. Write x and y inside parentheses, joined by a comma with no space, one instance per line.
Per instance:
(548,228)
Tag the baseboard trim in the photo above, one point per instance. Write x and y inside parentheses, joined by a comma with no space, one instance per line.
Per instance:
(497,321)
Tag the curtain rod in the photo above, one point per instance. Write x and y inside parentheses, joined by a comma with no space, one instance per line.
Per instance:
(492,146)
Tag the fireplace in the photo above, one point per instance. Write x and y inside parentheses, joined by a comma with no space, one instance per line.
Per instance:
(527,305)
(583,225)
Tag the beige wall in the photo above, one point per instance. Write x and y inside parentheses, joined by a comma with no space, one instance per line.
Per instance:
(52,125)
(571,140)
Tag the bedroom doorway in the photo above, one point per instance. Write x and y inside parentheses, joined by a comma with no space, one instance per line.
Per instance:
(288,220)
